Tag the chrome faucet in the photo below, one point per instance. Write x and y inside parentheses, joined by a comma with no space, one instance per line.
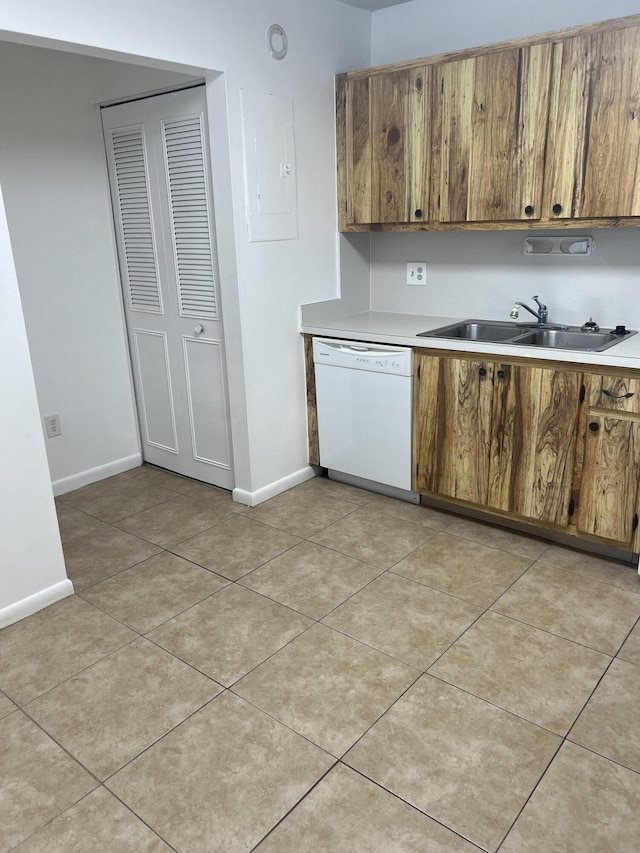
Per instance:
(540,315)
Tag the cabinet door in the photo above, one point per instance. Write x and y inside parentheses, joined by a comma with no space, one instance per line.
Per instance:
(533,441)
(384,142)
(593,156)
(608,502)
(489,125)
(451,427)
(389,164)
(354,150)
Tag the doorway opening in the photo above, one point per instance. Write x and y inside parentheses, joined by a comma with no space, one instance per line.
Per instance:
(54,177)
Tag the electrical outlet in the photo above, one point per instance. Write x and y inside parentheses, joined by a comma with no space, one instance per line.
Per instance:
(52,424)
(417,273)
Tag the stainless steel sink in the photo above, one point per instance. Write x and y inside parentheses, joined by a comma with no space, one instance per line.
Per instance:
(569,339)
(476,330)
(546,336)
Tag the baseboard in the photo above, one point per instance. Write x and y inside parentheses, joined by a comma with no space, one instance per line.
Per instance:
(92,475)
(33,603)
(273,489)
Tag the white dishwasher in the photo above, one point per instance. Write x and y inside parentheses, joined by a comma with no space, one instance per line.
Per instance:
(363,396)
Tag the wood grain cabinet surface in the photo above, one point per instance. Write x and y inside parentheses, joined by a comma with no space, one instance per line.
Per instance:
(531,442)
(593,152)
(519,134)
(497,435)
(608,505)
(608,482)
(383,146)
(488,128)
(452,426)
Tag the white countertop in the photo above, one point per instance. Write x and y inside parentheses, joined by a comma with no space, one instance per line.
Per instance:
(402,329)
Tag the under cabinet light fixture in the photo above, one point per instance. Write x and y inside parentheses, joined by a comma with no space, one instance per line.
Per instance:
(559,245)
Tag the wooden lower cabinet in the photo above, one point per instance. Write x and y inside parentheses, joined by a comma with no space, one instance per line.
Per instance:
(452,422)
(525,440)
(533,441)
(609,478)
(312,409)
(498,435)
(608,505)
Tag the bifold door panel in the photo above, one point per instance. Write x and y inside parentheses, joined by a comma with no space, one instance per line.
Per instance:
(158,168)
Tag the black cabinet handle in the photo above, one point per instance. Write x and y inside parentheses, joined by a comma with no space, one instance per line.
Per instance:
(528,209)
(557,208)
(594,427)
(501,374)
(617,396)
(418,213)
(482,371)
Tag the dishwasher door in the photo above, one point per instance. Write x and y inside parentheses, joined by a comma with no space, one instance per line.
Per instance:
(363,396)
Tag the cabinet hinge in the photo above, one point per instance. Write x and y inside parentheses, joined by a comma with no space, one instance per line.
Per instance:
(572,507)
(582,393)
(634,526)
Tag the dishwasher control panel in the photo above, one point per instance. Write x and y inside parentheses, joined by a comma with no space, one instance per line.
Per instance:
(377,358)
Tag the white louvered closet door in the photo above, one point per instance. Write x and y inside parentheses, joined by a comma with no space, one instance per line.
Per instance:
(161,192)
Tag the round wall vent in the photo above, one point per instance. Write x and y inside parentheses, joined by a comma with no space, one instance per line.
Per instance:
(277,41)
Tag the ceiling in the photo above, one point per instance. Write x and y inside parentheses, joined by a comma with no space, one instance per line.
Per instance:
(373,5)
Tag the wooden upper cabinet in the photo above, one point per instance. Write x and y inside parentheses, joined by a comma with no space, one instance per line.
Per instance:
(488,126)
(353,151)
(383,147)
(522,134)
(389,95)
(593,151)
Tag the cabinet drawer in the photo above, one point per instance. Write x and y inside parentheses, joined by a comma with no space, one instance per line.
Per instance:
(615,393)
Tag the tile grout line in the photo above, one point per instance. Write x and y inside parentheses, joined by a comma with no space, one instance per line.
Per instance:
(294,806)
(531,793)
(314,621)
(566,739)
(319,621)
(55,817)
(411,805)
(161,738)
(281,723)
(46,692)
(140,818)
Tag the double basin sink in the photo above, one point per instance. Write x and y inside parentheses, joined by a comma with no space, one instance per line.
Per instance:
(546,336)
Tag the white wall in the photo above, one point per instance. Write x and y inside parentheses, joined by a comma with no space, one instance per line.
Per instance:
(480,274)
(32,571)
(262,284)
(52,170)
(425,28)
(269,280)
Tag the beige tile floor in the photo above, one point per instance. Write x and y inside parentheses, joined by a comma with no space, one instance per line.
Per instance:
(329,671)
